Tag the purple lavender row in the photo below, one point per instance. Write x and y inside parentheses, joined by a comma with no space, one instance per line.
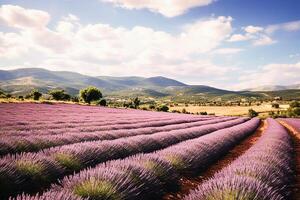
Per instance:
(81,121)
(264,172)
(295,123)
(33,171)
(12,113)
(108,121)
(115,126)
(149,176)
(33,143)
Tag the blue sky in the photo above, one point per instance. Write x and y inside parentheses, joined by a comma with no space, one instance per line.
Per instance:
(231,44)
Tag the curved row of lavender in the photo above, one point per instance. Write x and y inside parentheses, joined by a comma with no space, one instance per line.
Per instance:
(107,124)
(148,176)
(264,172)
(33,171)
(294,122)
(33,143)
(25,112)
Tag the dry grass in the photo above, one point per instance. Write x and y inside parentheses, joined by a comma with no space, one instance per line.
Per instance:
(229,110)
(13,100)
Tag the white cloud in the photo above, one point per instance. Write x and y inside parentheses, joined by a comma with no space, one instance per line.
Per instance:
(263,40)
(165,7)
(289,26)
(96,49)
(238,37)
(271,74)
(226,51)
(261,36)
(253,29)
(18,17)
(12,45)
(255,34)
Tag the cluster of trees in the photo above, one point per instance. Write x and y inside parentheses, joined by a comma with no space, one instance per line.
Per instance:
(134,103)
(87,95)
(292,111)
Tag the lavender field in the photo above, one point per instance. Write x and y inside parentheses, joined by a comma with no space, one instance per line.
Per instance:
(65,151)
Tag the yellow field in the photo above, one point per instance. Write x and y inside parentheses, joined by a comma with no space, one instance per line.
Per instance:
(229,110)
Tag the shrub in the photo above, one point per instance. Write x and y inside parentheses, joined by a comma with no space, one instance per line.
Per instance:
(21,97)
(90,94)
(275,105)
(163,108)
(101,102)
(152,107)
(68,161)
(203,113)
(136,102)
(97,190)
(34,94)
(252,113)
(294,104)
(75,99)
(294,109)
(59,95)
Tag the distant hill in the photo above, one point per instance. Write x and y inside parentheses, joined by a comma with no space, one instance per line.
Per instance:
(275,87)
(22,81)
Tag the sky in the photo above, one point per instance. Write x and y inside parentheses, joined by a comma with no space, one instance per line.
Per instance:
(230,44)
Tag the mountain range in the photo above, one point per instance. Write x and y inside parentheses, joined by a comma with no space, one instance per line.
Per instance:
(22,81)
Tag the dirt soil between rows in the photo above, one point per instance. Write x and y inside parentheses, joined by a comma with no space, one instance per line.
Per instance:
(296,139)
(187,183)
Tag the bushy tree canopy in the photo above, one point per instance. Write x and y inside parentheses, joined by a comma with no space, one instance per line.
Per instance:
(34,94)
(252,113)
(163,108)
(59,95)
(90,94)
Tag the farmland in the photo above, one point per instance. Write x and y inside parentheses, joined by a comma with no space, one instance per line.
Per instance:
(67,151)
(230,110)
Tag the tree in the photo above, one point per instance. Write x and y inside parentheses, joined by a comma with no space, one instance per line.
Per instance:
(203,113)
(35,94)
(90,94)
(275,105)
(294,109)
(136,102)
(252,113)
(102,102)
(294,104)
(75,99)
(152,107)
(59,95)
(163,108)
(21,97)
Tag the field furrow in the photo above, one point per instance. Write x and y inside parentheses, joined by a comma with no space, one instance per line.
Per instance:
(32,143)
(265,171)
(190,183)
(295,134)
(149,176)
(49,165)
